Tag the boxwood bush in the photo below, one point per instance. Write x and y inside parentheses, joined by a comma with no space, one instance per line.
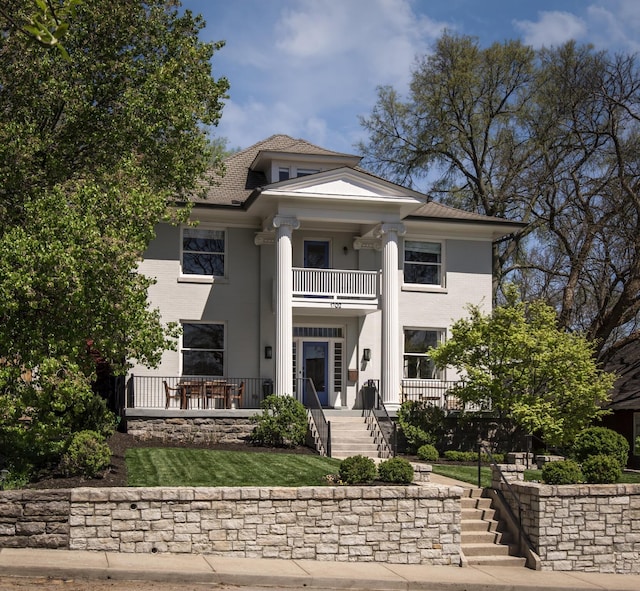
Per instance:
(88,454)
(601,469)
(600,440)
(357,470)
(428,453)
(398,470)
(561,472)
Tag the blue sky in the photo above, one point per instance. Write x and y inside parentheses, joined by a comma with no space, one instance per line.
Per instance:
(310,68)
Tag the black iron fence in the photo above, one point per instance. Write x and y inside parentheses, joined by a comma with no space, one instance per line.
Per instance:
(184,392)
(438,393)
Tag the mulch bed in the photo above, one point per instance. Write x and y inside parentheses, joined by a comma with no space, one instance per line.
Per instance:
(119,443)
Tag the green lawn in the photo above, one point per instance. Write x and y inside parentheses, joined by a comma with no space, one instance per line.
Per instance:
(198,467)
(470,474)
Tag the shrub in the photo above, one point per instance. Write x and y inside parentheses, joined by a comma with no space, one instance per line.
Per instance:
(88,454)
(600,440)
(601,469)
(561,472)
(396,470)
(282,423)
(420,423)
(357,470)
(428,453)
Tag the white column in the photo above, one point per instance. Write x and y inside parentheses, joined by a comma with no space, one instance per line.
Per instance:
(391,354)
(283,383)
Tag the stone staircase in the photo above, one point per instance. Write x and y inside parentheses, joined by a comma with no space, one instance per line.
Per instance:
(482,541)
(350,435)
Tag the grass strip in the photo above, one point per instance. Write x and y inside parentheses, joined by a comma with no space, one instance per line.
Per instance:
(198,467)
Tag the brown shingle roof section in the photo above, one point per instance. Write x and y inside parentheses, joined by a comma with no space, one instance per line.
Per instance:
(433,210)
(239,181)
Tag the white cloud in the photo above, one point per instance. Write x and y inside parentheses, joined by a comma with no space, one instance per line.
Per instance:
(615,27)
(552,29)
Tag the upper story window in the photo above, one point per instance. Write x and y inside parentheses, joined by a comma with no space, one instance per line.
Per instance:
(422,262)
(306,171)
(283,173)
(417,363)
(202,349)
(203,252)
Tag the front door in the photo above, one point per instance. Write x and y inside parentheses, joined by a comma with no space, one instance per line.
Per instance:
(315,357)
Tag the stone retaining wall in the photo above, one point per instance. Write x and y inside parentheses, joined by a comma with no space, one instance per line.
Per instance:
(394,524)
(34,519)
(582,527)
(190,429)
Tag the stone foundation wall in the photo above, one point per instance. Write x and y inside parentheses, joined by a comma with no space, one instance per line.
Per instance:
(582,527)
(199,430)
(34,519)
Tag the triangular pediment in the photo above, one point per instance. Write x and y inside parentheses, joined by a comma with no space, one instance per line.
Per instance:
(345,183)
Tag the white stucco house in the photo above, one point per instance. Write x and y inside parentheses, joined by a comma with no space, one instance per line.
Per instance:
(303,266)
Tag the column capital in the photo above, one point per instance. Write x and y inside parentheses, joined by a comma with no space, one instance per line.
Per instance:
(397,228)
(279,221)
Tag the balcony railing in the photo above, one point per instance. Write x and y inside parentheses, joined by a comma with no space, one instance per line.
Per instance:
(336,284)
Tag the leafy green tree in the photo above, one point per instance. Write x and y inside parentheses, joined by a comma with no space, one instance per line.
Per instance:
(94,152)
(546,137)
(517,362)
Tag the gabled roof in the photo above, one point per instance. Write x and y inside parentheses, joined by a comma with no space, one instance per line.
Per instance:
(241,179)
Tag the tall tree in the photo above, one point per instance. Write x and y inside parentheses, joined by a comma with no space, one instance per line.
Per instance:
(549,138)
(461,131)
(93,151)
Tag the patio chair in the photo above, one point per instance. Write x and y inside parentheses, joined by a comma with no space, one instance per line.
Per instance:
(215,391)
(172,394)
(236,396)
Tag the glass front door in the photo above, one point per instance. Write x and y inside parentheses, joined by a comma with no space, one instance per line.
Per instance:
(316,254)
(315,356)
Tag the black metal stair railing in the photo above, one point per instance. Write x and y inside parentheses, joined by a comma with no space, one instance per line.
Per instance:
(321,424)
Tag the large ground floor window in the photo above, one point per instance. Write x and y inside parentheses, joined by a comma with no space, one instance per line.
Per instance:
(202,349)
(416,361)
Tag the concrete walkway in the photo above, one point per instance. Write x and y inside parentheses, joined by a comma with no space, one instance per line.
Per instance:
(181,568)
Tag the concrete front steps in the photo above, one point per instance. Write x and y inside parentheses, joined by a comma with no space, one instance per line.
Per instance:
(482,542)
(349,435)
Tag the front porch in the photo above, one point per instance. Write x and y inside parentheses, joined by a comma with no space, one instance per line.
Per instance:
(179,395)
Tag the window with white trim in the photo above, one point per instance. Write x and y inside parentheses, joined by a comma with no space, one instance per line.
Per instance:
(416,361)
(422,262)
(202,349)
(203,252)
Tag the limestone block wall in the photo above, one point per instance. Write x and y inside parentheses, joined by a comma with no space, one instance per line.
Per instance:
(34,519)
(395,524)
(591,528)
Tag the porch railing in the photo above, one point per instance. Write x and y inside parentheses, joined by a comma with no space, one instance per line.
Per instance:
(337,284)
(438,393)
(149,391)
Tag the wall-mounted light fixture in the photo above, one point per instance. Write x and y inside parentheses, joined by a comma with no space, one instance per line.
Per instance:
(345,249)
(268,352)
(366,354)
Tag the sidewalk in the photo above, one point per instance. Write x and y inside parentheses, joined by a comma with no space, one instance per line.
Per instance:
(188,568)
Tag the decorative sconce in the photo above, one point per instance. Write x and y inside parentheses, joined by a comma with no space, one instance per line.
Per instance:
(366,354)
(268,352)
(345,249)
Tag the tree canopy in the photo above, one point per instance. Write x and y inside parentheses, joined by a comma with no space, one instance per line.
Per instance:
(546,137)
(519,364)
(93,151)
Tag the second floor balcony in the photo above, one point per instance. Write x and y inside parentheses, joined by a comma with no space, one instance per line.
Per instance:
(336,288)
